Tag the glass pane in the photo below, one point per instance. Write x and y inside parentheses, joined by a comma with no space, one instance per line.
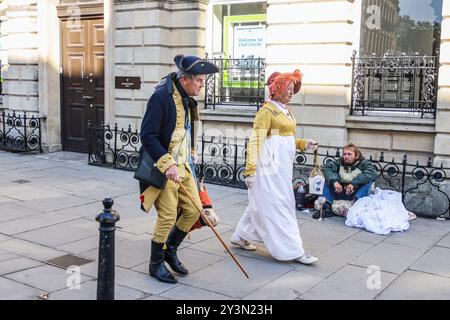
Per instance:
(247,8)
(400,26)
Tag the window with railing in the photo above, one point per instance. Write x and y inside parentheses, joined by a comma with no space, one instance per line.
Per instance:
(400,84)
(396,68)
(239,83)
(238,48)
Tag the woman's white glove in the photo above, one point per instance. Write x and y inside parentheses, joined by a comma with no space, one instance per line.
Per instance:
(250,181)
(311,145)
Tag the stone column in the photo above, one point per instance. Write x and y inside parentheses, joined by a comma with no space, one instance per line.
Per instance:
(3,51)
(442,140)
(109,23)
(49,75)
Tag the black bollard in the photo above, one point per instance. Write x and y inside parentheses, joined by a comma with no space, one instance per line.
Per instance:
(105,277)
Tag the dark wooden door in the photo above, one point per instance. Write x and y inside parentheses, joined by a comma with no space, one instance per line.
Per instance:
(83,80)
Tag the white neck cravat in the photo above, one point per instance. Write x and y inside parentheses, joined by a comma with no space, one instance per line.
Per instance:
(282,108)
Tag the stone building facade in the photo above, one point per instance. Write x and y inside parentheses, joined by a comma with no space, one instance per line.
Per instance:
(63,59)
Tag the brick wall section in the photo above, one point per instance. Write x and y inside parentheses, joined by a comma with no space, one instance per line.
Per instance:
(20,75)
(148,35)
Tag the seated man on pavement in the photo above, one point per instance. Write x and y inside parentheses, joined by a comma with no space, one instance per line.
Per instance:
(346,180)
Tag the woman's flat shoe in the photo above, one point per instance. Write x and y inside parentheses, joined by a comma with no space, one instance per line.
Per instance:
(307,258)
(244,244)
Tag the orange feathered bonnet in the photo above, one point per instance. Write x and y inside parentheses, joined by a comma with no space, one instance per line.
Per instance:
(278,82)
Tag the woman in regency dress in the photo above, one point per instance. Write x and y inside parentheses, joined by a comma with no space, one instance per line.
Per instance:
(270,216)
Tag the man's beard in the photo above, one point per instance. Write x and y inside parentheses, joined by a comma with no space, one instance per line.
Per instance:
(349,162)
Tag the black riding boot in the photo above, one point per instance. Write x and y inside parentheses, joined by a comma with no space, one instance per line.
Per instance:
(157,267)
(174,239)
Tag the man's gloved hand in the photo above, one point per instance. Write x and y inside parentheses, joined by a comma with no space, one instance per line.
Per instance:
(311,145)
(211,216)
(250,181)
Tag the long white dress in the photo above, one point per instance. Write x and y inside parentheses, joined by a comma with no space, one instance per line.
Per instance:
(270,216)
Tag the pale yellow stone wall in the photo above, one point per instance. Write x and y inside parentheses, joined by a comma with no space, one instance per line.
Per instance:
(317,37)
(20,40)
(147,37)
(143,37)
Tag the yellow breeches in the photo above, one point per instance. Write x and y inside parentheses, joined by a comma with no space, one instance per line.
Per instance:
(167,203)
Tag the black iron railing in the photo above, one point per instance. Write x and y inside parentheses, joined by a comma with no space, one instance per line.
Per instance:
(406,84)
(222,161)
(425,189)
(239,82)
(114,147)
(20,133)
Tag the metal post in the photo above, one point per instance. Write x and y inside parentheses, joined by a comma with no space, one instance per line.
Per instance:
(435,84)
(105,277)
(353,83)
(115,146)
(91,136)
(25,143)
(3,137)
(40,139)
(404,164)
(235,161)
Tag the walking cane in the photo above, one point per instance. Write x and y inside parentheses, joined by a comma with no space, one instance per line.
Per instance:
(211,226)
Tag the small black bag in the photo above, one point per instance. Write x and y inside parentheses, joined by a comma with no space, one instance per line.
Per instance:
(147,172)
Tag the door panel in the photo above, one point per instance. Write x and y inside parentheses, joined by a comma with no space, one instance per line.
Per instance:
(83,81)
(75,69)
(76,35)
(76,114)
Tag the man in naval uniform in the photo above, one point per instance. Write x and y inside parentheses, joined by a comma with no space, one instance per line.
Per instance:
(168,135)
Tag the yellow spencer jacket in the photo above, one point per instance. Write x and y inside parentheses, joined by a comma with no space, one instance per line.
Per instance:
(269,121)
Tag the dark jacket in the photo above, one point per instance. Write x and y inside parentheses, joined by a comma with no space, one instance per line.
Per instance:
(160,117)
(368,172)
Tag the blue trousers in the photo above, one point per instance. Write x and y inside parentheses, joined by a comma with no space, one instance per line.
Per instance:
(330,193)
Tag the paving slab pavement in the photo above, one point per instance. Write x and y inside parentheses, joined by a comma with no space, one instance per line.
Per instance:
(48,205)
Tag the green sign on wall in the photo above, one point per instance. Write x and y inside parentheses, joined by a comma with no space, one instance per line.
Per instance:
(244,39)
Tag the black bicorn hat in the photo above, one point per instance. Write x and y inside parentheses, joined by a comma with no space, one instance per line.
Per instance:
(194,65)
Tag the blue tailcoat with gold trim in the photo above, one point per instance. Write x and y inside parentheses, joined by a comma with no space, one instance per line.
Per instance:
(160,121)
